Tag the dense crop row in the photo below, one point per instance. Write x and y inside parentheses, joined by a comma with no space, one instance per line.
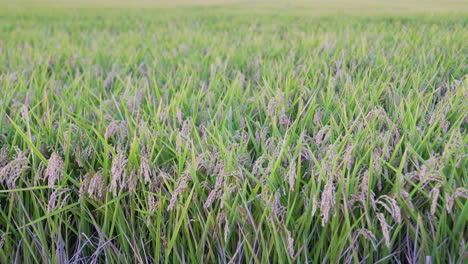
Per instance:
(191,136)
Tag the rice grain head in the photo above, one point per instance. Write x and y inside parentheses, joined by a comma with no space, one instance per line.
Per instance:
(367,234)
(182,185)
(318,117)
(385,228)
(434,194)
(97,185)
(13,170)
(145,170)
(116,127)
(54,170)
(391,205)
(290,244)
(291,175)
(461,192)
(151,207)
(56,200)
(327,202)
(272,107)
(118,172)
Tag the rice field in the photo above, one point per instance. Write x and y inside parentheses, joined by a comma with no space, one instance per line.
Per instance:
(233,132)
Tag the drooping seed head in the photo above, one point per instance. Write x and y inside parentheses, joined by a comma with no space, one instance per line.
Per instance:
(327,202)
(55,169)
(13,170)
(97,186)
(118,173)
(291,175)
(145,169)
(290,244)
(434,194)
(385,228)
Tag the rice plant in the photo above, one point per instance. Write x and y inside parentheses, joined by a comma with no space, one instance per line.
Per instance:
(246,132)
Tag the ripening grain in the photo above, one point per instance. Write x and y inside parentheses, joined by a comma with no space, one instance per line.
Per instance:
(234,133)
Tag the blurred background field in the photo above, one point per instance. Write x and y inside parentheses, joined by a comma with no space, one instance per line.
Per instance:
(293,6)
